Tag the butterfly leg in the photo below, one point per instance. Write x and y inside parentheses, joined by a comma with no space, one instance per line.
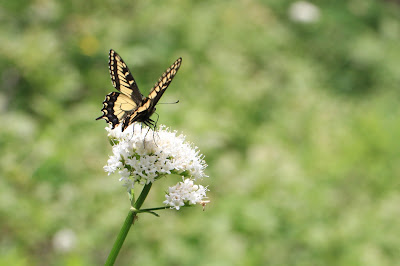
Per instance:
(144,138)
(133,129)
(155,126)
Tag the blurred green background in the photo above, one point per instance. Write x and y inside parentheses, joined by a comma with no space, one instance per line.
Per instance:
(295,106)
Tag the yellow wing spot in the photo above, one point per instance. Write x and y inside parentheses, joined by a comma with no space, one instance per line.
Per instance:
(153,94)
(123,83)
(144,107)
(126,106)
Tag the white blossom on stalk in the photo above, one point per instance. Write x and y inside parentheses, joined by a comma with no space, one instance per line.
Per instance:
(185,192)
(141,155)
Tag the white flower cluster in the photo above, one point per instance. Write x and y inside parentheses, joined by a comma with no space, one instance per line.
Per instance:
(304,12)
(141,155)
(185,192)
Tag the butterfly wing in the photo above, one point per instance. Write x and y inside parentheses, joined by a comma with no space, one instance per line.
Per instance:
(143,113)
(116,107)
(163,82)
(122,78)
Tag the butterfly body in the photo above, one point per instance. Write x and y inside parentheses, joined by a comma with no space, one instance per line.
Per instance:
(129,105)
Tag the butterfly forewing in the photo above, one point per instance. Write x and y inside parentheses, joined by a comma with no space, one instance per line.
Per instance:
(163,82)
(122,78)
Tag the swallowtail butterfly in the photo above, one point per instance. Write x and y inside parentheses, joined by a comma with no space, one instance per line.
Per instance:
(128,105)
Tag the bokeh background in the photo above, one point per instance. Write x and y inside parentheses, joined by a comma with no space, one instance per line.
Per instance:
(295,106)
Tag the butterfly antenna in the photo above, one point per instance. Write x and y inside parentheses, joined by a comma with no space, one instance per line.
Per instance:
(170,103)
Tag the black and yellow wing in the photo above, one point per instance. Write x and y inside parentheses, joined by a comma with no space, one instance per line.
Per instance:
(122,78)
(129,106)
(163,82)
(116,107)
(143,113)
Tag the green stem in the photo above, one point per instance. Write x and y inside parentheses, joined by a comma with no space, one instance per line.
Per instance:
(153,209)
(127,225)
(120,238)
(142,196)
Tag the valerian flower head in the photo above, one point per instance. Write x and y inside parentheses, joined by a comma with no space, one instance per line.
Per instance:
(141,155)
(185,192)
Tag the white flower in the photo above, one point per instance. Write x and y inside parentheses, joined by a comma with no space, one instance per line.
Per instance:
(185,192)
(141,155)
(64,240)
(304,12)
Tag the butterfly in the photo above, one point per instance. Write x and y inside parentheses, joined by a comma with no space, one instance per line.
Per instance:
(129,105)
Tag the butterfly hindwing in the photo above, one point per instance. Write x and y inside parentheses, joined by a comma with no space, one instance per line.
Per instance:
(130,106)
(122,78)
(116,108)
